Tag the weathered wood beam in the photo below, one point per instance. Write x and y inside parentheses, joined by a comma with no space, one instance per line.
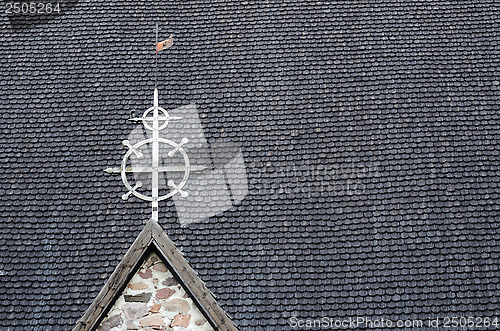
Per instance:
(117,280)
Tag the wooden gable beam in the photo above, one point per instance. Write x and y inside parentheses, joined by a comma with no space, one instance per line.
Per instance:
(202,296)
(153,236)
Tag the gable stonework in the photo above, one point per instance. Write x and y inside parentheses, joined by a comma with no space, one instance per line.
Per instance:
(154,300)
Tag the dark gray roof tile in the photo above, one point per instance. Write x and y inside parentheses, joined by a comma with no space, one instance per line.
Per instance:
(406,106)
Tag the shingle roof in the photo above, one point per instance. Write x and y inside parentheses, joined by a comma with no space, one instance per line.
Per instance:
(370,132)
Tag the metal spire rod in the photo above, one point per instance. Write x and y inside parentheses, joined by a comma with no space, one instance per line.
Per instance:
(156,57)
(155,159)
(155,147)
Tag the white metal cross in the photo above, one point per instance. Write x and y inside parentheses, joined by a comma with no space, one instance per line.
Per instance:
(155,169)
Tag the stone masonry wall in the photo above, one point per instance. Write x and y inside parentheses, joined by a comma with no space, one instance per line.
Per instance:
(154,300)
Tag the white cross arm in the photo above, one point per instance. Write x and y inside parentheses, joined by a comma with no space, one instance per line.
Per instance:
(150,169)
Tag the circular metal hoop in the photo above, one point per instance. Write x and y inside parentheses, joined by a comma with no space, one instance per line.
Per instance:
(149,127)
(176,189)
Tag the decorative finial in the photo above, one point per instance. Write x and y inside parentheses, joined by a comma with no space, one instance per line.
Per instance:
(155,124)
